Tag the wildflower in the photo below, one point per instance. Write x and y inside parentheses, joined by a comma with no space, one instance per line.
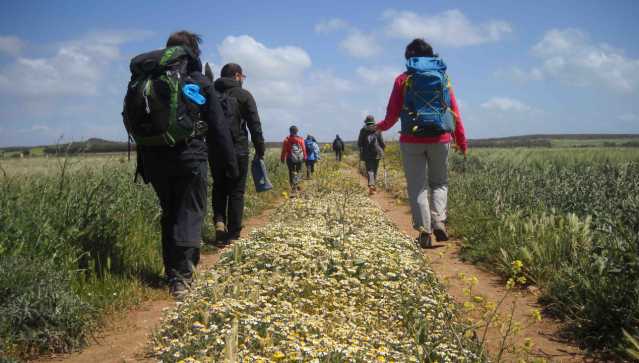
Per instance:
(478,299)
(517,265)
(521,280)
(510,283)
(278,355)
(536,314)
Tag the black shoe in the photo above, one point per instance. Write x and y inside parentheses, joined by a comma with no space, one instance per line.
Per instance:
(440,232)
(178,288)
(424,240)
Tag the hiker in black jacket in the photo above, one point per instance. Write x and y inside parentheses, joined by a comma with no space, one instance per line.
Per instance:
(371,150)
(179,175)
(338,147)
(228,194)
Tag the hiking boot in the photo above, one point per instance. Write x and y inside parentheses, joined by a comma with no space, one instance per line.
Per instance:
(439,229)
(220,232)
(178,288)
(424,240)
(371,190)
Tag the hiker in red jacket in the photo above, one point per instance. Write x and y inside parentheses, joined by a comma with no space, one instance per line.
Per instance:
(424,100)
(294,154)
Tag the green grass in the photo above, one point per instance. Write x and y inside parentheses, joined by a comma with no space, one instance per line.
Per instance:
(570,215)
(79,240)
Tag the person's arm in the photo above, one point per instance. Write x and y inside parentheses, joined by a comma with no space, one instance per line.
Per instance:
(285,148)
(219,136)
(394,107)
(460,133)
(380,138)
(248,111)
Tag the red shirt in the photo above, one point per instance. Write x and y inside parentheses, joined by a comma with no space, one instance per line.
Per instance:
(286,146)
(395,104)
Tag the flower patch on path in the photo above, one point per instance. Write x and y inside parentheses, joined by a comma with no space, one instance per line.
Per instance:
(330,279)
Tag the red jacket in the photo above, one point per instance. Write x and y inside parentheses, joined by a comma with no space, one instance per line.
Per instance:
(395,104)
(286,146)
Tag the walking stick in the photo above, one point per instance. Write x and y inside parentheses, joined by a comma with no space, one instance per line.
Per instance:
(385,173)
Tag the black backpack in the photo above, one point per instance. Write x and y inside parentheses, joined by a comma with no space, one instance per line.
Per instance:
(156,111)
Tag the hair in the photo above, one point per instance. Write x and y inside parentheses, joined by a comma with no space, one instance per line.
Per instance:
(294,130)
(418,48)
(187,39)
(230,69)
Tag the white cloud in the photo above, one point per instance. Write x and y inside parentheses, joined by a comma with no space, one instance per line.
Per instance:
(360,45)
(77,68)
(376,76)
(331,25)
(505,104)
(287,90)
(265,63)
(570,56)
(11,45)
(450,28)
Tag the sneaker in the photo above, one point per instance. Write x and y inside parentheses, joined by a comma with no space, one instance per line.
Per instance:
(439,229)
(178,288)
(424,240)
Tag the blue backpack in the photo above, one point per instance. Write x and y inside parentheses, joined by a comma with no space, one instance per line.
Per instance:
(426,110)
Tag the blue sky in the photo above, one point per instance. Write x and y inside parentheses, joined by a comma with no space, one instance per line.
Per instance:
(517,67)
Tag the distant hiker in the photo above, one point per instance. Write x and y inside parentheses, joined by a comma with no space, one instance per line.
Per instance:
(294,154)
(424,100)
(169,110)
(242,115)
(338,147)
(371,149)
(313,155)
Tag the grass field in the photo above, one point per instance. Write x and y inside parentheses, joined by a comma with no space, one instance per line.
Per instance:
(78,240)
(570,216)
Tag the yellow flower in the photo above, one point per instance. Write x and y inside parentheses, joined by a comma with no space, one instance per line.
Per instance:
(510,283)
(517,265)
(536,314)
(285,194)
(466,292)
(521,280)
(478,299)
(474,281)
(380,358)
(278,355)
(469,306)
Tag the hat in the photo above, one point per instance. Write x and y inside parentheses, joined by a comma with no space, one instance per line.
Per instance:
(370,120)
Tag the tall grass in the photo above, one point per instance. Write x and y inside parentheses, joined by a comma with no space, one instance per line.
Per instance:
(77,239)
(571,216)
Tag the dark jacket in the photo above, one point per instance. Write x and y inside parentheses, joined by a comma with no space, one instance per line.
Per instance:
(246,118)
(218,137)
(368,151)
(338,144)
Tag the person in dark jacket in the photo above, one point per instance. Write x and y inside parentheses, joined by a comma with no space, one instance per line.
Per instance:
(371,150)
(228,194)
(338,147)
(179,174)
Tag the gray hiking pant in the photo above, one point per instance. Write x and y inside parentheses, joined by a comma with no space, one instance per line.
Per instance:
(426,170)
(372,165)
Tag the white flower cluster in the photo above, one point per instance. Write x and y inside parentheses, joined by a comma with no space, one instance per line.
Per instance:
(330,279)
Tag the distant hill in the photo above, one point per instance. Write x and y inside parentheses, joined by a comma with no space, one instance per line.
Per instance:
(96,145)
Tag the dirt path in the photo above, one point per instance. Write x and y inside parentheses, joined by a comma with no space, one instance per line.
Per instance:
(447,265)
(126,338)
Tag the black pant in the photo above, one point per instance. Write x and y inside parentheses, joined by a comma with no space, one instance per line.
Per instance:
(294,170)
(228,196)
(338,155)
(181,187)
(310,168)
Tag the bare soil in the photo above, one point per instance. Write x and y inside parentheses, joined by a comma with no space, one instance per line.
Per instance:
(447,264)
(125,337)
